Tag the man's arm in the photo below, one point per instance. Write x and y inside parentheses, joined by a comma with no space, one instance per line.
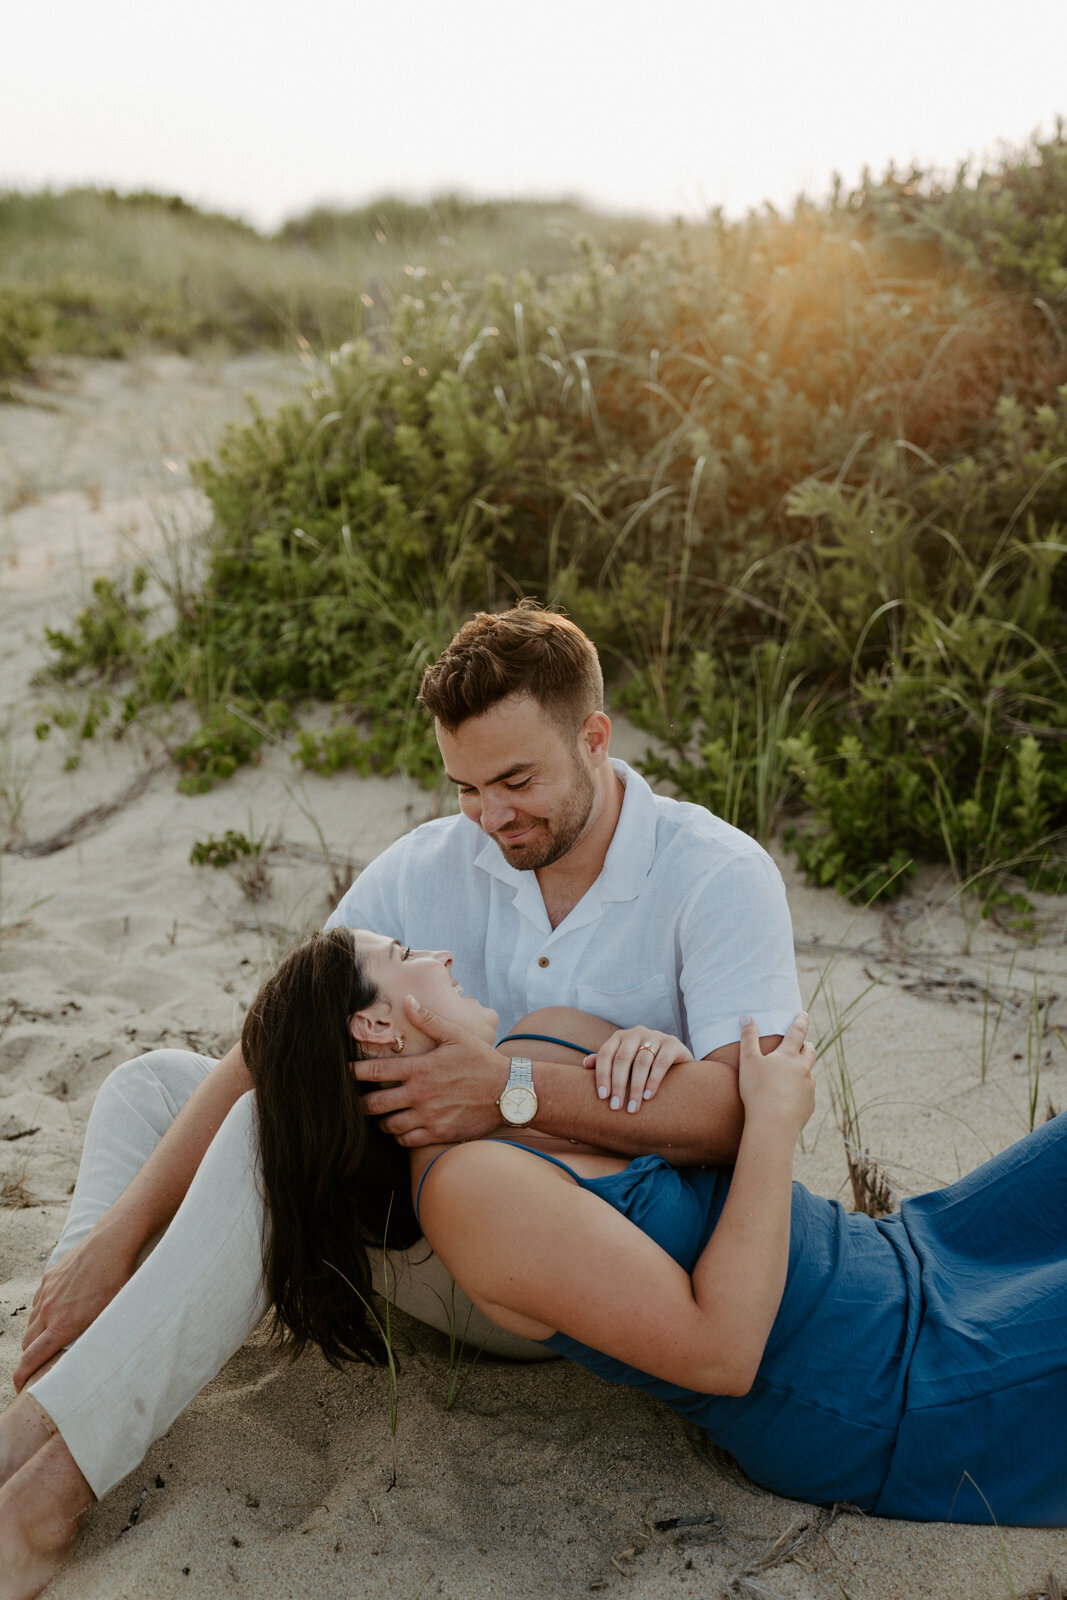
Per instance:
(736,942)
(450,1094)
(76,1289)
(696,1118)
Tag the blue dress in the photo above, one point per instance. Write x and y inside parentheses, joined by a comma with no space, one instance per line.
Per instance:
(917,1366)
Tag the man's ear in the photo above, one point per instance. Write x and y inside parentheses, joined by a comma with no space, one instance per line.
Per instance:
(596,733)
(371,1027)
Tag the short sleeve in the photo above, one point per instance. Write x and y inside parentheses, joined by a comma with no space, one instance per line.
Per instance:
(737,954)
(375,899)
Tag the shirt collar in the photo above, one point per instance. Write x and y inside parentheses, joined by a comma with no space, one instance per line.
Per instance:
(626,865)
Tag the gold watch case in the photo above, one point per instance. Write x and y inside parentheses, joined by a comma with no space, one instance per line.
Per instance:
(518,1105)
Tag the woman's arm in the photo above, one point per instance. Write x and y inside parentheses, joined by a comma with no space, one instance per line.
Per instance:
(537,1253)
(76,1289)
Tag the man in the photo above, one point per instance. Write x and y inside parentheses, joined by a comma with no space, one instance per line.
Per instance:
(564,881)
(589,891)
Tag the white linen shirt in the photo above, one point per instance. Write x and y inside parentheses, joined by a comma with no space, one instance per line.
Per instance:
(685,928)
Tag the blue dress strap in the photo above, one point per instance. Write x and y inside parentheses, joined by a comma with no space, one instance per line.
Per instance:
(531,1148)
(544,1038)
(429,1168)
(556,1162)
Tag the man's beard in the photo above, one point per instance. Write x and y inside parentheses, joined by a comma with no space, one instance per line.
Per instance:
(553,841)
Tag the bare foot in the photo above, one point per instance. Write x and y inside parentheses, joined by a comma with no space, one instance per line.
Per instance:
(41,1507)
(23,1430)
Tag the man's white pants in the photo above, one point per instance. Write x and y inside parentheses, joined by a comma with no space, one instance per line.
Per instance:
(194,1300)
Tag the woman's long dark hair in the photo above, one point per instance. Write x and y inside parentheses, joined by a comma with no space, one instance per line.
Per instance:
(332,1179)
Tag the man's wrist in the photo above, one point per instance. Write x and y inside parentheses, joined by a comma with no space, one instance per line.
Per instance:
(518,1101)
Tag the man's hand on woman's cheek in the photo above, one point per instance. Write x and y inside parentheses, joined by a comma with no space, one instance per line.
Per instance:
(448,1095)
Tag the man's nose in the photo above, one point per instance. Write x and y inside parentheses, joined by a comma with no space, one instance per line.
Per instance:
(444,956)
(496,814)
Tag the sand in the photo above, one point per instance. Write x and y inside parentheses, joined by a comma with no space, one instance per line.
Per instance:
(540,1480)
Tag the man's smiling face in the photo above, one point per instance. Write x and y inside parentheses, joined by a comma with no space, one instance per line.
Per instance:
(523,782)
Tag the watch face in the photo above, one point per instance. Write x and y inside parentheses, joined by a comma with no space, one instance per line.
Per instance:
(518,1105)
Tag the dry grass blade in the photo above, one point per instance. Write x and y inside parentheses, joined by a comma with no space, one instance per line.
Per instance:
(746,1588)
(253,875)
(872,1191)
(747,1584)
(786,1544)
(343,869)
(741,1583)
(14,1194)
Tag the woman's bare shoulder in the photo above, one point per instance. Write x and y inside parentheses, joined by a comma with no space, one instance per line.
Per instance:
(463,1191)
(475,1202)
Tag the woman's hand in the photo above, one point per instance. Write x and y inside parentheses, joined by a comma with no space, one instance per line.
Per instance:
(779,1086)
(632,1063)
(69,1297)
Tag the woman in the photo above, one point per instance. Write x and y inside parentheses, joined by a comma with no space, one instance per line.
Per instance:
(894,1364)
(196,1298)
(836,1357)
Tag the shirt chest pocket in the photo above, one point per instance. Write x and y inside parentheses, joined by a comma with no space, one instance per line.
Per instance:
(649,1004)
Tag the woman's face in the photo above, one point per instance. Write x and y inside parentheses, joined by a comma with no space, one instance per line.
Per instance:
(396,971)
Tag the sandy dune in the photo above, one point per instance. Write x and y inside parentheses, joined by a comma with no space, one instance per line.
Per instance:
(540,1481)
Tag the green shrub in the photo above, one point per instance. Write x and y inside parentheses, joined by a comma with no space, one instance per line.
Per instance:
(227,740)
(107,634)
(1009,223)
(803,479)
(233,846)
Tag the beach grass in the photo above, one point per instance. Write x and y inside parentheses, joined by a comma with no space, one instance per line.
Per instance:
(800,476)
(91,272)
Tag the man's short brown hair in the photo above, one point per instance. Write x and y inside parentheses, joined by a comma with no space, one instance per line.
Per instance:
(522,651)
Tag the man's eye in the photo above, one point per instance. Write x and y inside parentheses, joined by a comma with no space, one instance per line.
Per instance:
(520,785)
(405,952)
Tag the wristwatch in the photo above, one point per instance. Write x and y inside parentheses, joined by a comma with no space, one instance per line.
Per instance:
(518,1103)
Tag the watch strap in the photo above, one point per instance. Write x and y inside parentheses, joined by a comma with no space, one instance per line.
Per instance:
(521,1074)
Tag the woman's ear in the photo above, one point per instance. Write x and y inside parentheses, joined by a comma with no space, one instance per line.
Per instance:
(371,1028)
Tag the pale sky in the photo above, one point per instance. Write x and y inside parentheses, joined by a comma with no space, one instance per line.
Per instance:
(666,106)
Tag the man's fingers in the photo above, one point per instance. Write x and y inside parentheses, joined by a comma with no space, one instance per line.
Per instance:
(425,1020)
(381,1069)
(401,1122)
(380,1102)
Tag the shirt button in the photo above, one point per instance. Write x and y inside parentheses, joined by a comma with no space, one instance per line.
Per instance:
(543,962)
